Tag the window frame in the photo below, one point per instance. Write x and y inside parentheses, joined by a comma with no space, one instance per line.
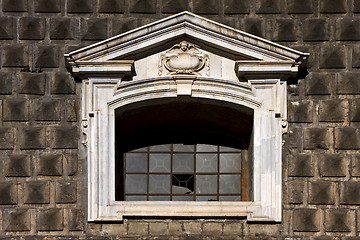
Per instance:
(265,91)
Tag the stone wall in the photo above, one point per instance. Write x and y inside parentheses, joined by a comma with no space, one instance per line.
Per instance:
(43,174)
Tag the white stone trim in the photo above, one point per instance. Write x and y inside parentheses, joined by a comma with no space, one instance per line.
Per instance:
(264,91)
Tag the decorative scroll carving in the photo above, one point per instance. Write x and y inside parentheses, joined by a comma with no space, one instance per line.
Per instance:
(84,125)
(184,58)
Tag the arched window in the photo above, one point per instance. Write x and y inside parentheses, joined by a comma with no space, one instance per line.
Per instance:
(160,101)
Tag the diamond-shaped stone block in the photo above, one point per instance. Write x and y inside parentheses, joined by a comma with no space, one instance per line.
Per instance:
(17,165)
(50,165)
(37,192)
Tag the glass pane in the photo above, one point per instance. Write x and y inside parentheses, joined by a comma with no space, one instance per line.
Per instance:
(183,162)
(136,183)
(183,198)
(229,198)
(135,198)
(206,198)
(230,162)
(181,190)
(206,148)
(159,198)
(183,148)
(159,184)
(140,150)
(161,148)
(136,162)
(206,184)
(159,162)
(206,162)
(230,184)
(229,149)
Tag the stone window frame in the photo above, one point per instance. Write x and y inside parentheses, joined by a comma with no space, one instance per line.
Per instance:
(103,90)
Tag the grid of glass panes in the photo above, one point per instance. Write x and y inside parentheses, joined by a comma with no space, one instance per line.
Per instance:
(178,172)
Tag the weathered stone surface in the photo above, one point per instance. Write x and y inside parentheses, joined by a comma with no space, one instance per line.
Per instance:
(285,30)
(47,109)
(338,220)
(295,192)
(112,6)
(16,220)
(32,83)
(332,57)
(50,165)
(355,165)
(142,6)
(254,26)
(192,227)
(66,192)
(175,228)
(76,220)
(46,57)
(332,6)
(6,28)
(14,6)
(320,84)
(347,29)
(6,138)
(355,57)
(332,165)
(123,25)
(306,220)
(79,6)
(300,165)
(5,83)
(356,6)
(333,110)
(316,29)
(50,6)
(16,110)
(32,138)
(350,193)
(32,28)
(138,228)
(158,228)
(62,83)
(321,192)
(65,137)
(305,6)
(51,220)
(317,138)
(37,192)
(17,165)
(174,6)
(8,193)
(62,28)
(348,83)
(72,110)
(355,110)
(236,7)
(72,163)
(206,7)
(268,6)
(301,111)
(93,29)
(347,138)
(15,56)
(212,228)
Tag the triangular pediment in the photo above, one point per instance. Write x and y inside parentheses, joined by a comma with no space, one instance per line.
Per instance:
(185,25)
